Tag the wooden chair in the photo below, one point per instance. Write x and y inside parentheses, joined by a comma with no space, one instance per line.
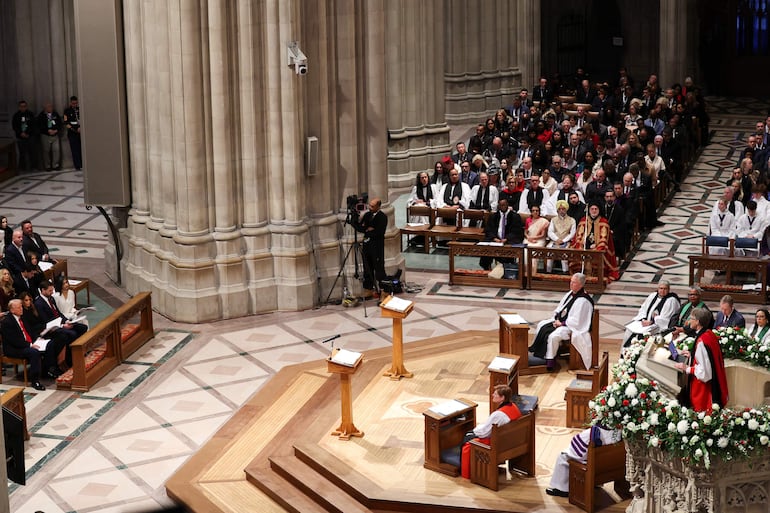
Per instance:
(514,442)
(585,386)
(604,464)
(575,361)
(15,362)
(423,230)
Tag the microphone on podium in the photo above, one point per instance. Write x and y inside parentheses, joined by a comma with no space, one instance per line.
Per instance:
(331,339)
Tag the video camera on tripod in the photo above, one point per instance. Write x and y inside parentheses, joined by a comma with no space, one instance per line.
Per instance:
(357,205)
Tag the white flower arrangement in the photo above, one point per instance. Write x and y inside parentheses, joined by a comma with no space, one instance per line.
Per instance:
(634,404)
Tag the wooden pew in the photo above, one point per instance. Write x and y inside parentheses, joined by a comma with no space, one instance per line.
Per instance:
(13,399)
(582,389)
(731,265)
(575,361)
(594,259)
(604,464)
(514,441)
(457,277)
(105,346)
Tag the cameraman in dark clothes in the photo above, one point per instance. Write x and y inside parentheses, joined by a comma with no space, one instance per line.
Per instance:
(373,225)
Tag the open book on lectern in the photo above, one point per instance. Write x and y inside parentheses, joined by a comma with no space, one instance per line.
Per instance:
(397,304)
(345,357)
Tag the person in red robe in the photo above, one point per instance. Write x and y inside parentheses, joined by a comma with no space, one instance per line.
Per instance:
(707,381)
(593,232)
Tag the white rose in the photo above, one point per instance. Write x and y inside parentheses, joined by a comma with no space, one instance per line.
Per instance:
(631,427)
(707,420)
(681,427)
(746,415)
(722,442)
(654,419)
(694,439)
(654,441)
(753,424)
(611,402)
(591,404)
(671,427)
(739,421)
(694,425)
(645,426)
(764,439)
(634,401)
(698,453)
(709,442)
(631,390)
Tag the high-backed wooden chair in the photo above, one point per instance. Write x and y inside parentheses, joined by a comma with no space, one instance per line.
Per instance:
(514,442)
(604,464)
(575,361)
(15,362)
(582,389)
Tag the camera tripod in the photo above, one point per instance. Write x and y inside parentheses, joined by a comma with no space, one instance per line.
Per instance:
(358,259)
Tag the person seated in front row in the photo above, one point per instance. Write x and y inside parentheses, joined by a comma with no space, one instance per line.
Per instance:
(561,231)
(693,301)
(571,321)
(660,310)
(68,332)
(503,226)
(26,282)
(19,342)
(728,316)
(424,193)
(578,451)
(750,226)
(761,329)
(721,224)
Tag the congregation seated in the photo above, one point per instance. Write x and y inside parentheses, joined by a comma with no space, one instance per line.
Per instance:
(535,196)
(561,231)
(27,281)
(593,232)
(504,226)
(7,292)
(721,224)
(484,196)
(571,321)
(68,331)
(20,342)
(693,301)
(14,255)
(454,194)
(750,226)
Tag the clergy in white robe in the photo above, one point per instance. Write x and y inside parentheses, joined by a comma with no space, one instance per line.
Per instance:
(659,311)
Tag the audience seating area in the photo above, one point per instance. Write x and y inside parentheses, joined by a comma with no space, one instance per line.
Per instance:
(104,346)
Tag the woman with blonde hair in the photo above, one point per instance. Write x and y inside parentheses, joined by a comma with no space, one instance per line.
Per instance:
(6,289)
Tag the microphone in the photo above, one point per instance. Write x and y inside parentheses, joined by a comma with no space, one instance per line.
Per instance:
(331,339)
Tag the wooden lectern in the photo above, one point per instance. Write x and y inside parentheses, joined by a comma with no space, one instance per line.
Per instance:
(444,430)
(514,339)
(345,370)
(397,309)
(503,370)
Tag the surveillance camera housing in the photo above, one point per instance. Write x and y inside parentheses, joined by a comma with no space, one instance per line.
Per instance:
(296,58)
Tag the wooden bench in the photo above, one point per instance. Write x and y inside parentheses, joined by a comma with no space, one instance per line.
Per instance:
(109,343)
(13,400)
(604,464)
(575,360)
(730,265)
(582,389)
(514,442)
(592,258)
(481,278)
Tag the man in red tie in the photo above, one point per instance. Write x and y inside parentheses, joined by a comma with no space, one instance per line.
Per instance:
(19,342)
(68,332)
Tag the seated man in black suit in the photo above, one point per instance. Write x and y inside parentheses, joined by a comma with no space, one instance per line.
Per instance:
(68,332)
(27,281)
(503,226)
(19,342)
(34,243)
(15,255)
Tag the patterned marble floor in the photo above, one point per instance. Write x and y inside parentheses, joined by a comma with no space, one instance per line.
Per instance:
(112,449)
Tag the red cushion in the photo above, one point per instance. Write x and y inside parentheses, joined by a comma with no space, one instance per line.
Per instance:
(92,358)
(128,331)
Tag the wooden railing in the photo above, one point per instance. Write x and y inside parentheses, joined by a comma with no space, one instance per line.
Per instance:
(109,343)
(730,266)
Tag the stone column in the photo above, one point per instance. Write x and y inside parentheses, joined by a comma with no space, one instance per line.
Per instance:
(675,49)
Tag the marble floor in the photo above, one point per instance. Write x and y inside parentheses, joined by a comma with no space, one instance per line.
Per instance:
(111,449)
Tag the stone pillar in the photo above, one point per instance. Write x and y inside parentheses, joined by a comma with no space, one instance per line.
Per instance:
(674,19)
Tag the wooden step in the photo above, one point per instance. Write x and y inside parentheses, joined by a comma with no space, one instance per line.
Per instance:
(316,486)
(283,492)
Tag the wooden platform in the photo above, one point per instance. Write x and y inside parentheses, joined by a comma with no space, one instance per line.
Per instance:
(276,453)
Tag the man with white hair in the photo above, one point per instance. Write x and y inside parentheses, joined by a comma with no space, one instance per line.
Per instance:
(571,321)
(535,196)
(657,313)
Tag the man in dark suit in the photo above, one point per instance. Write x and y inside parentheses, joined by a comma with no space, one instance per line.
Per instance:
(19,342)
(15,256)
(33,242)
(65,334)
(27,281)
(616,217)
(542,93)
(503,226)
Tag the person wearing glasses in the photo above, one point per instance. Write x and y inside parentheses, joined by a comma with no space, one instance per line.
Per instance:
(761,329)
(705,367)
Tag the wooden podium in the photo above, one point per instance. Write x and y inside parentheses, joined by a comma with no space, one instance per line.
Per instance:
(397,370)
(514,339)
(346,428)
(446,430)
(507,373)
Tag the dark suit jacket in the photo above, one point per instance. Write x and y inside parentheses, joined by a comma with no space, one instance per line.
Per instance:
(30,247)
(13,337)
(14,260)
(514,228)
(45,311)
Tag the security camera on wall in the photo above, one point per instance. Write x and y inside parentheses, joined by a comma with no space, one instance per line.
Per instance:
(296,58)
